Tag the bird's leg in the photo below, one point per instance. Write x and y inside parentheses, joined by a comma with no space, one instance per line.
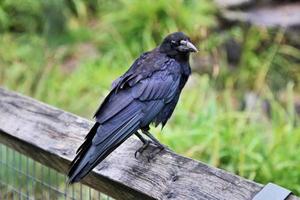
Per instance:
(154,140)
(158,145)
(145,144)
(141,137)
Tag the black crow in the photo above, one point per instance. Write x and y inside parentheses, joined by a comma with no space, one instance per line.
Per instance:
(147,93)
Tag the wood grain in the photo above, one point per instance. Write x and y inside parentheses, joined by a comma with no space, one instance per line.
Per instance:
(51,136)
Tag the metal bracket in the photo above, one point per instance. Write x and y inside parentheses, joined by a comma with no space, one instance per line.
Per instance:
(272,191)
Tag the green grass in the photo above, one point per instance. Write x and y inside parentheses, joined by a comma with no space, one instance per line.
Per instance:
(207,127)
(73,69)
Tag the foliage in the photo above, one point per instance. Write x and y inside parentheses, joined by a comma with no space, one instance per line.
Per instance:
(249,143)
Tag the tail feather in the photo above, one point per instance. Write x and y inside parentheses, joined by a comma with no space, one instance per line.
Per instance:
(92,152)
(82,150)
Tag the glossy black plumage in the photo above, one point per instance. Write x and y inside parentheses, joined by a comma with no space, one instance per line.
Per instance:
(147,93)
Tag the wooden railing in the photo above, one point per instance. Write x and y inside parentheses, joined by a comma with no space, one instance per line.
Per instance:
(51,137)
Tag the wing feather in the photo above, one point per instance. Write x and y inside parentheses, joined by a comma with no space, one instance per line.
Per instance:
(134,102)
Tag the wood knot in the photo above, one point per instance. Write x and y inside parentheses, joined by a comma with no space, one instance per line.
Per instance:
(137,171)
(174,177)
(170,195)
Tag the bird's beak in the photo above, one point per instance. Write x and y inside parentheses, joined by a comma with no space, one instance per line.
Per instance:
(188,45)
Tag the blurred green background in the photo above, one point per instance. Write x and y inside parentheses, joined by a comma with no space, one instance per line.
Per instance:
(238,112)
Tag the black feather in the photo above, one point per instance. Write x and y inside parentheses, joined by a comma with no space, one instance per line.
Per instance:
(147,93)
(95,152)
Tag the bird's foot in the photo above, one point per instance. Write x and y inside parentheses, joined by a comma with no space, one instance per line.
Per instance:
(142,148)
(155,151)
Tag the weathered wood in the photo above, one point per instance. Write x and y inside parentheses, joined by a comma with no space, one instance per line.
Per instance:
(51,136)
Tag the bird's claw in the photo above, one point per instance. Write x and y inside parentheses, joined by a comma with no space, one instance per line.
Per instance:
(142,148)
(155,151)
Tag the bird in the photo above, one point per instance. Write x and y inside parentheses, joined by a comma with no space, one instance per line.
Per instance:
(147,93)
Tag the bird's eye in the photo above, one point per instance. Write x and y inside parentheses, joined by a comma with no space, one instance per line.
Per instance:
(173,43)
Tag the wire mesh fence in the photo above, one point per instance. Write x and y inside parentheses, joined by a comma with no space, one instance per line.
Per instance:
(23,178)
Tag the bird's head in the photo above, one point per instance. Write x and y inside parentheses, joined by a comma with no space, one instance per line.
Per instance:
(177,44)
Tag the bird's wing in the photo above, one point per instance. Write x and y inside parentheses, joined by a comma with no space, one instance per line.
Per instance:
(147,95)
(120,82)
(123,113)
(143,68)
